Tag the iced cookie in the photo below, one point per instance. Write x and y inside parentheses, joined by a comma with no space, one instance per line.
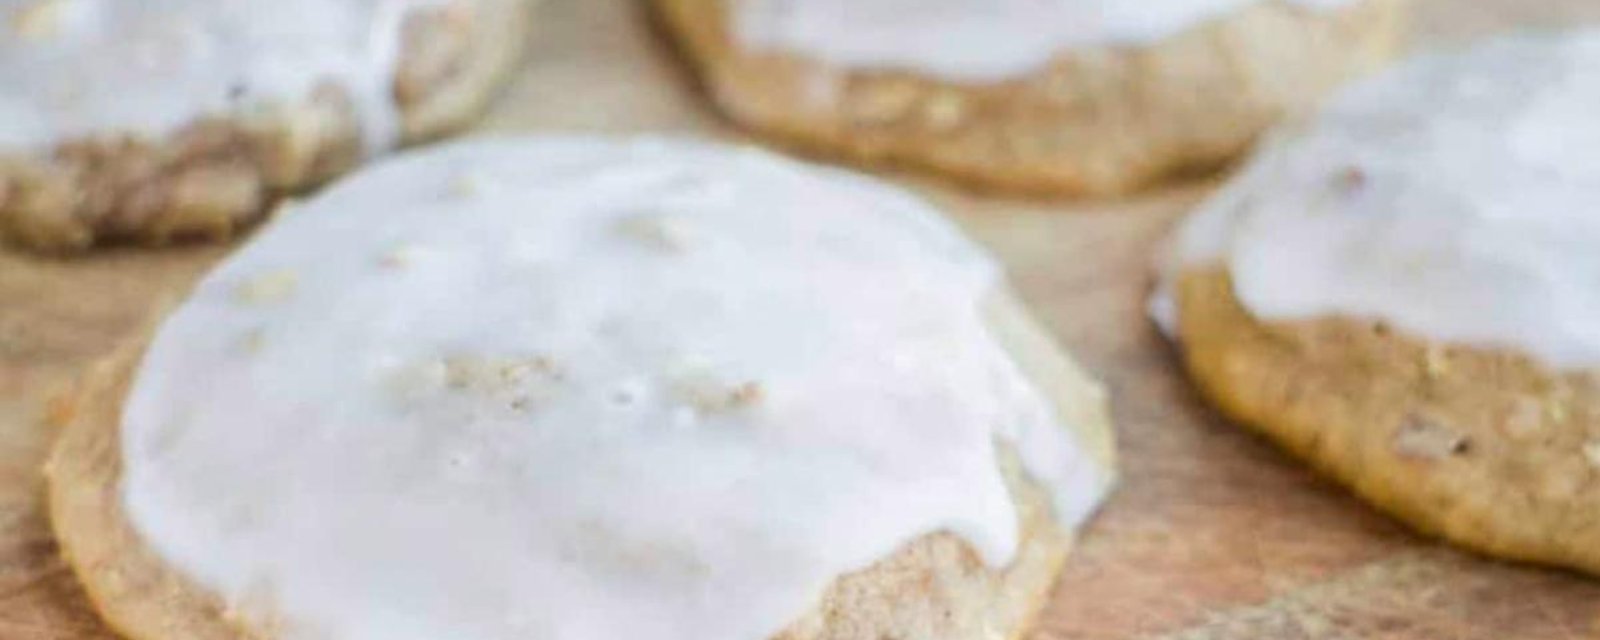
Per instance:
(1060,96)
(572,389)
(153,120)
(1405,291)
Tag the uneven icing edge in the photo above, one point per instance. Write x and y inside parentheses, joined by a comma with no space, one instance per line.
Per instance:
(84,68)
(968,40)
(1458,201)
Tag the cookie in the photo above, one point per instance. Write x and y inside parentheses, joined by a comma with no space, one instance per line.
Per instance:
(173,119)
(1403,292)
(1077,97)
(583,388)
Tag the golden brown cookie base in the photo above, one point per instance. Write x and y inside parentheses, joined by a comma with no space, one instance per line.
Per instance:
(1095,122)
(1486,448)
(934,587)
(219,174)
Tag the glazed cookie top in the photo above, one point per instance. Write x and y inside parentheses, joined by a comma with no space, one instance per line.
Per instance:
(966,40)
(1456,197)
(74,68)
(573,388)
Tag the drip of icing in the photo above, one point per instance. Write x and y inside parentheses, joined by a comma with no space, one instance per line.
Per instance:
(76,68)
(967,40)
(568,388)
(1456,196)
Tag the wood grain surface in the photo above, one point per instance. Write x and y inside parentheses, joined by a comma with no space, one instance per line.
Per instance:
(1213,533)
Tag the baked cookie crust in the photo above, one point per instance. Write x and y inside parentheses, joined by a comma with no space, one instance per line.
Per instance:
(1095,122)
(218,174)
(1486,448)
(933,587)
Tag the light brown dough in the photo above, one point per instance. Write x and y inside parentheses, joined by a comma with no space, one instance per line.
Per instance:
(1099,121)
(1486,448)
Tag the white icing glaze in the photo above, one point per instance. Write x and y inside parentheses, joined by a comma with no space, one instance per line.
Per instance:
(967,40)
(570,388)
(74,68)
(1456,197)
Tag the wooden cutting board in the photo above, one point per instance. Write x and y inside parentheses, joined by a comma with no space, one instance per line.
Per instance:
(1213,533)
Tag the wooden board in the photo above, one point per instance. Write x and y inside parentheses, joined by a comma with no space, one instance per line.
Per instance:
(1213,534)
